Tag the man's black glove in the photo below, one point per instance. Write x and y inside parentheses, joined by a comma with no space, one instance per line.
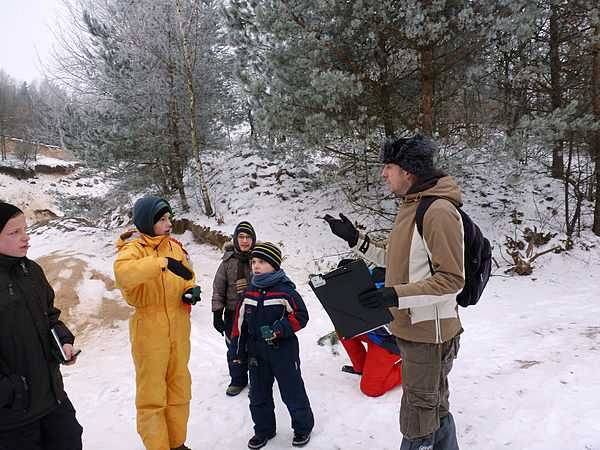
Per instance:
(179,269)
(192,295)
(218,322)
(20,400)
(379,298)
(343,228)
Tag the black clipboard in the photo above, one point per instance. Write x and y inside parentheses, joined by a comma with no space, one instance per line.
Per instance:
(338,292)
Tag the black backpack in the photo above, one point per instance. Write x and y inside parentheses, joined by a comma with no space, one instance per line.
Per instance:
(478,255)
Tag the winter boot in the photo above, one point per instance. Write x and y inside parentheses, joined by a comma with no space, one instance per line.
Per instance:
(257,441)
(182,447)
(350,369)
(300,439)
(232,390)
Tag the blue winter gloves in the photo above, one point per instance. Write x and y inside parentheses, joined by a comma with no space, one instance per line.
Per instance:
(192,295)
(179,269)
(267,333)
(379,298)
(271,333)
(343,228)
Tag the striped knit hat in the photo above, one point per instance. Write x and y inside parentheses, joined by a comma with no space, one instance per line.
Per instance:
(243,227)
(268,252)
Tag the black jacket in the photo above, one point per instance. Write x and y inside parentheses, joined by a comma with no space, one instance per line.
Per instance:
(30,380)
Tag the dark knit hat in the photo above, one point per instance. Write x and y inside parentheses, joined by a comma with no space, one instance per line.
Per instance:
(243,227)
(147,211)
(415,154)
(7,212)
(269,252)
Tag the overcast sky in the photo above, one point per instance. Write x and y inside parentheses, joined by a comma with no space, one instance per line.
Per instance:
(25,36)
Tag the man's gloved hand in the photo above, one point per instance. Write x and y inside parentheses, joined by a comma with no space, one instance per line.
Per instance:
(379,298)
(343,228)
(179,269)
(218,322)
(20,400)
(192,295)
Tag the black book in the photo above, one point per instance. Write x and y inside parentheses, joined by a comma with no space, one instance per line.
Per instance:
(59,351)
(338,292)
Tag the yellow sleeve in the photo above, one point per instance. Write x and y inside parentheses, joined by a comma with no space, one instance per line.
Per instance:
(132,268)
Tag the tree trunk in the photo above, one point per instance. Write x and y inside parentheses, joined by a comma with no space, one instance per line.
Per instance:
(177,158)
(427,77)
(596,134)
(567,174)
(253,137)
(3,147)
(189,78)
(558,166)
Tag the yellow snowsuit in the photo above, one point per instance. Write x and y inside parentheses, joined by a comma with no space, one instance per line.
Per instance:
(160,337)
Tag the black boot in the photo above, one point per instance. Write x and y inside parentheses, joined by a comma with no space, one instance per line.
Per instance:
(182,447)
(232,390)
(350,369)
(300,439)
(257,441)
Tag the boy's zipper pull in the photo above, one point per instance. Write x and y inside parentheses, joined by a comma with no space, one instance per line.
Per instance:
(10,289)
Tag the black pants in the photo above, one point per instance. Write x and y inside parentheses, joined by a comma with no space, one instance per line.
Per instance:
(282,364)
(237,371)
(58,430)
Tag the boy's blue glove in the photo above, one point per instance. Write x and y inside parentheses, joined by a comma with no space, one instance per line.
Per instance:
(278,328)
(192,295)
(269,334)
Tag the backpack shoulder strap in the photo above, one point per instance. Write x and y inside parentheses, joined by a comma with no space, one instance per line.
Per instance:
(422,208)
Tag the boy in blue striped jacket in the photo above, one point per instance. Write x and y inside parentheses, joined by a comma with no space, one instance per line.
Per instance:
(264,332)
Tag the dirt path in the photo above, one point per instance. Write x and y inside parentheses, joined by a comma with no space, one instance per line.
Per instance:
(101,305)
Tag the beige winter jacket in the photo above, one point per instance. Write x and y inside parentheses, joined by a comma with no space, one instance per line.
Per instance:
(427,310)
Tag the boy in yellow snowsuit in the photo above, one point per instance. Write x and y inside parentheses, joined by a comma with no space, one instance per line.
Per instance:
(154,274)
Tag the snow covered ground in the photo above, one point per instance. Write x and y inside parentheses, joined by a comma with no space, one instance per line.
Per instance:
(524,379)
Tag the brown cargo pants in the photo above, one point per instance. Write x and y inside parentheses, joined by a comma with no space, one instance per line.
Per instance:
(425,393)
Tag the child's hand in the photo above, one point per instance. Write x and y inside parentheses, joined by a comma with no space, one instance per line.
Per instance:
(192,295)
(179,269)
(71,354)
(267,334)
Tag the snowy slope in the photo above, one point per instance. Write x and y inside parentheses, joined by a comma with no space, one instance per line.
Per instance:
(524,378)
